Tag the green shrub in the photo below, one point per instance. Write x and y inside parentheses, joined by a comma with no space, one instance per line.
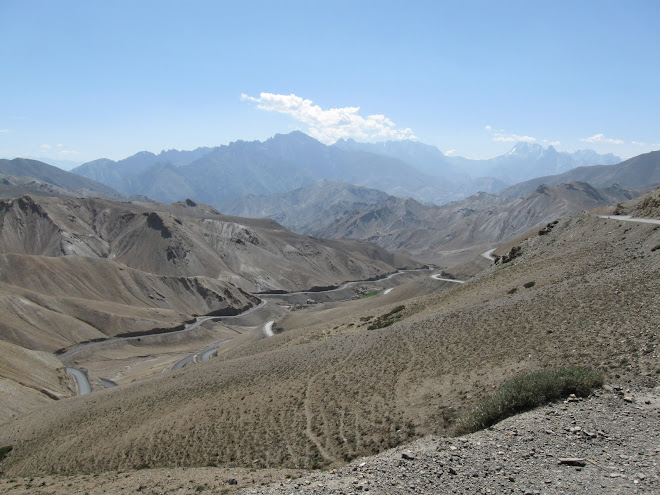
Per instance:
(529,285)
(527,391)
(4,451)
(513,291)
(371,293)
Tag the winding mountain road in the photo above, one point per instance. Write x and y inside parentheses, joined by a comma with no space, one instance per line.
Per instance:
(205,354)
(345,285)
(82,381)
(489,254)
(438,276)
(628,218)
(199,356)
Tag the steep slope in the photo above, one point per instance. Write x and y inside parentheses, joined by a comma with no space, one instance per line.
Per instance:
(524,161)
(481,220)
(639,172)
(51,303)
(12,186)
(423,231)
(22,167)
(187,239)
(277,165)
(328,389)
(646,206)
(303,210)
(124,173)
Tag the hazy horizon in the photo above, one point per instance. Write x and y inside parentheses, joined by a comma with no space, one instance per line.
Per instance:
(94,80)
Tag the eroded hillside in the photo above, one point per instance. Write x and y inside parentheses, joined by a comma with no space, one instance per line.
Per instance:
(187,239)
(328,388)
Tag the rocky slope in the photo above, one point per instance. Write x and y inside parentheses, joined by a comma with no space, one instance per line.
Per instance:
(340,382)
(640,172)
(36,170)
(335,210)
(647,206)
(187,239)
(613,439)
(616,439)
(52,303)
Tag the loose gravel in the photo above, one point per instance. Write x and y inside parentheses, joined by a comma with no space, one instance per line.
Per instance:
(606,444)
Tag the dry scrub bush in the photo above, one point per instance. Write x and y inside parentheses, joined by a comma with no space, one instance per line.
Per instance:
(527,391)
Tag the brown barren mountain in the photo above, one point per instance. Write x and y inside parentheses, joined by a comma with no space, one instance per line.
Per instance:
(78,270)
(329,388)
(186,239)
(476,223)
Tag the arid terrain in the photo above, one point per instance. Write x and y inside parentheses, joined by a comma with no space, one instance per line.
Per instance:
(340,380)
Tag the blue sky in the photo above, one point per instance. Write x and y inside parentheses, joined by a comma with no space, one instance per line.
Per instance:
(89,79)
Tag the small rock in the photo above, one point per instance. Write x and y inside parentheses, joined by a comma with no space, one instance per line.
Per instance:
(628,398)
(409,456)
(572,461)
(232,481)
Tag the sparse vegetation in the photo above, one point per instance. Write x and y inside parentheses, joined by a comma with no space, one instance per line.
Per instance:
(527,391)
(513,291)
(387,319)
(513,253)
(529,285)
(4,451)
(371,293)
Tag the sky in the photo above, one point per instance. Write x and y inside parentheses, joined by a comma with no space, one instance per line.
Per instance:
(88,79)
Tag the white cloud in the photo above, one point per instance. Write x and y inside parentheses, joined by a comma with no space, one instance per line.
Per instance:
(330,125)
(600,138)
(450,152)
(513,138)
(502,137)
(551,143)
(57,149)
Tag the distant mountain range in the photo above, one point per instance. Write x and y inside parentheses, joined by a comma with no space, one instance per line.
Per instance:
(22,176)
(640,172)
(524,161)
(287,162)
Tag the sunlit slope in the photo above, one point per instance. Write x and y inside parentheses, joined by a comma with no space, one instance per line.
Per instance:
(50,303)
(187,239)
(585,293)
